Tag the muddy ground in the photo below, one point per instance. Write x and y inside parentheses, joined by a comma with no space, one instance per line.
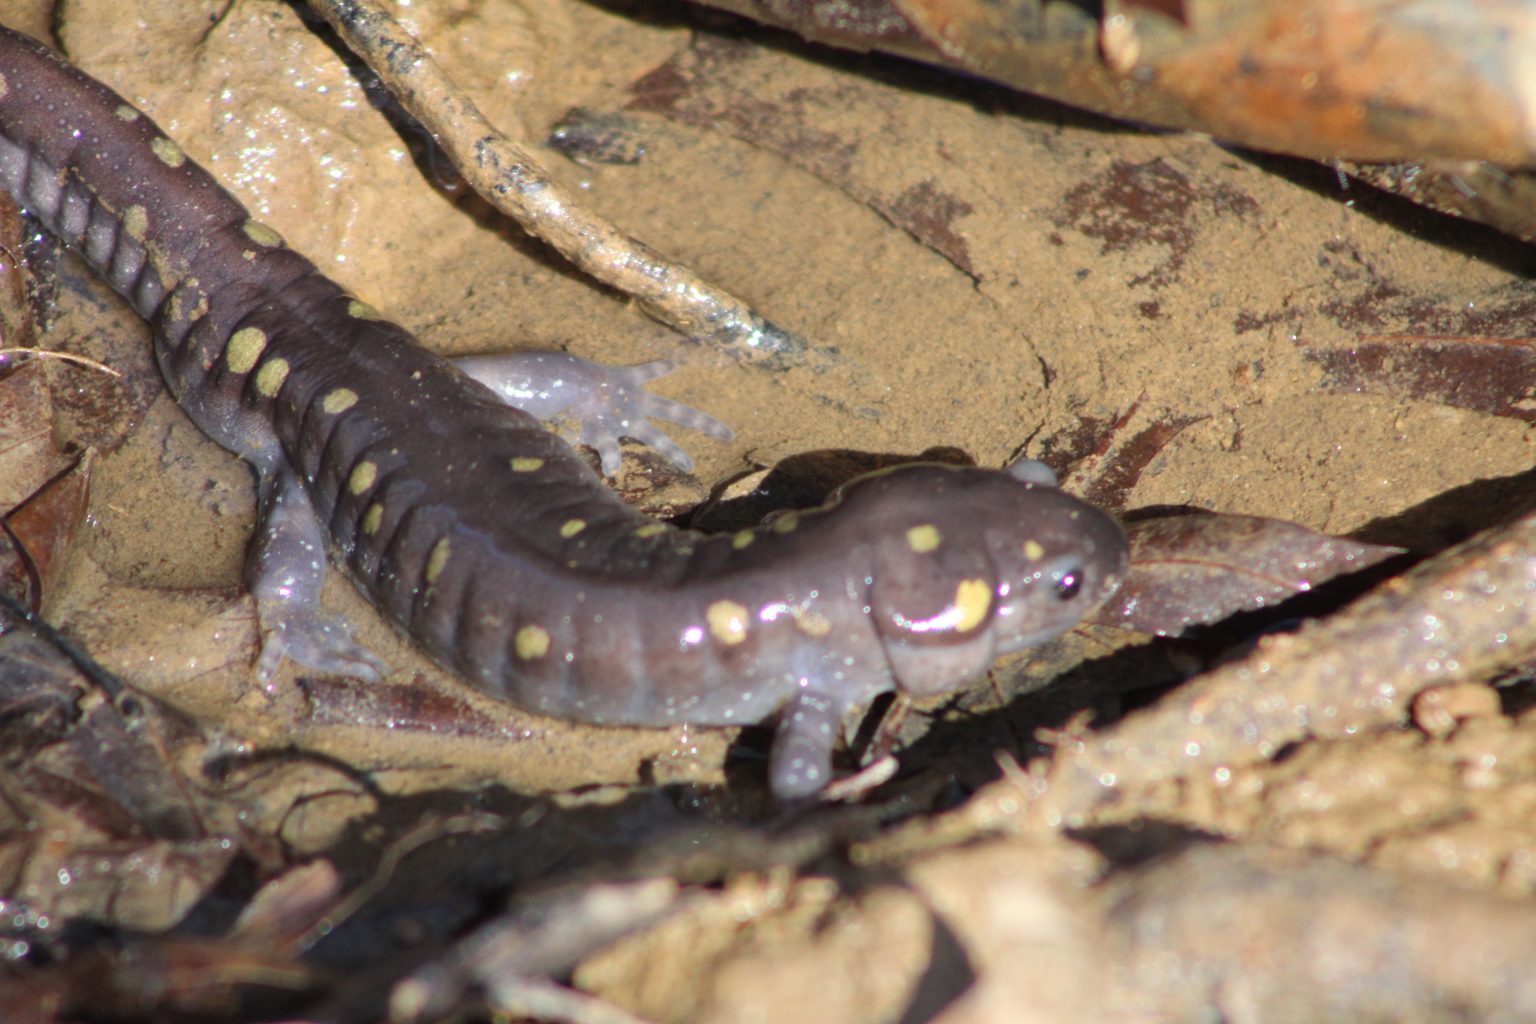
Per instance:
(974,270)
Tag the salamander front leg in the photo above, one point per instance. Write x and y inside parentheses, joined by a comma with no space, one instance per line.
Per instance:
(286,571)
(603,403)
(800,765)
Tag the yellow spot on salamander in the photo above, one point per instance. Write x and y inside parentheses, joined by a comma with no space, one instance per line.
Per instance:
(813,623)
(160,264)
(269,379)
(727,622)
(245,347)
(742,538)
(523,464)
(973,598)
(786,523)
(169,153)
(437,560)
(1033,551)
(571,527)
(363,476)
(531,642)
(180,314)
(923,539)
(126,113)
(259,233)
(650,530)
(339,401)
(360,310)
(5,87)
(136,222)
(373,518)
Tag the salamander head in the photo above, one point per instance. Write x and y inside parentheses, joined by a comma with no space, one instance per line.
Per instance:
(972,564)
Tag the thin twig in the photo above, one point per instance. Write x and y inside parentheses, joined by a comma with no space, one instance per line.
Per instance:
(509,177)
(68,357)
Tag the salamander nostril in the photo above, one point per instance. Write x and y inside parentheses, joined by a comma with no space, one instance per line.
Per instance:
(1069,584)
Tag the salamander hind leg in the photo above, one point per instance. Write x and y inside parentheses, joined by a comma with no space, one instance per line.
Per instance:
(603,403)
(286,571)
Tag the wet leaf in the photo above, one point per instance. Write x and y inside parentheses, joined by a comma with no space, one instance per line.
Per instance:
(99,818)
(333,700)
(38,534)
(1102,462)
(1150,204)
(147,886)
(166,978)
(289,905)
(1496,376)
(1194,569)
(28,455)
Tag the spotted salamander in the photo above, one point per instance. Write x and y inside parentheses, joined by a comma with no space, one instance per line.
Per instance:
(488,539)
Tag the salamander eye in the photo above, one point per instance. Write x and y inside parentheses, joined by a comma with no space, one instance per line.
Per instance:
(1069,584)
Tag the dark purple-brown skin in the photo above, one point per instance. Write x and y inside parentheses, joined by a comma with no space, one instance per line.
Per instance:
(489,540)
